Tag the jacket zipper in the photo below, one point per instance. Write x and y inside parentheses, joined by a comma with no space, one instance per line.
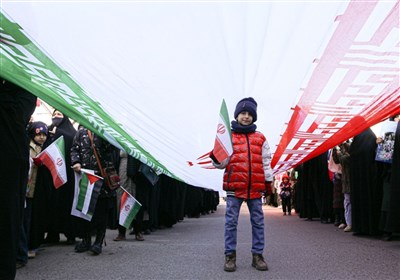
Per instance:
(250,171)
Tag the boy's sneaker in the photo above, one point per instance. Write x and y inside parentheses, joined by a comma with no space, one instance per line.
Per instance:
(259,263)
(230,262)
(20,265)
(342,226)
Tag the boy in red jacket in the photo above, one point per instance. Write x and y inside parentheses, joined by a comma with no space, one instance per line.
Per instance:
(247,174)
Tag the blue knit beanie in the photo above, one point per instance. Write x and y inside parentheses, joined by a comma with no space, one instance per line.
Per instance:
(247,104)
(37,128)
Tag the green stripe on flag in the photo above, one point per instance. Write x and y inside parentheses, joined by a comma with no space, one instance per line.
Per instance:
(83,187)
(25,64)
(60,145)
(225,116)
(131,215)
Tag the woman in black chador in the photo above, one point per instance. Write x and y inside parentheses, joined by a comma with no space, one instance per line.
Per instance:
(393,214)
(60,219)
(366,196)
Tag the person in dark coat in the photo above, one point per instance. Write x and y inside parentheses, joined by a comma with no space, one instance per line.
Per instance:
(16,107)
(60,220)
(83,156)
(316,195)
(393,214)
(366,196)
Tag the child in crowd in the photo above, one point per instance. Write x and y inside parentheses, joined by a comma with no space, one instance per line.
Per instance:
(247,174)
(38,132)
(286,195)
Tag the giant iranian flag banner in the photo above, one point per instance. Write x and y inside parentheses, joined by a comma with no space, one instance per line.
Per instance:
(53,157)
(24,63)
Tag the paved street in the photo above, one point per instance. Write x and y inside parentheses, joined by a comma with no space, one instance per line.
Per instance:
(193,249)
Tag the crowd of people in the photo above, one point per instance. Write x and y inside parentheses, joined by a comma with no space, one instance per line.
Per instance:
(348,186)
(34,213)
(345,186)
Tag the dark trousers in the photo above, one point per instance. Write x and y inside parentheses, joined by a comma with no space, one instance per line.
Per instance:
(13,178)
(286,204)
(22,254)
(98,224)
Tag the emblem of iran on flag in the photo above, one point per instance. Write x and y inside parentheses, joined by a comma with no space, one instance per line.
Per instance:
(128,209)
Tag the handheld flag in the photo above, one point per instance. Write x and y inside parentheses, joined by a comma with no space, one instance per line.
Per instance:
(53,157)
(128,209)
(223,140)
(87,190)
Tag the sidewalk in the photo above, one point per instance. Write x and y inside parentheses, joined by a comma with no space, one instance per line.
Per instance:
(193,249)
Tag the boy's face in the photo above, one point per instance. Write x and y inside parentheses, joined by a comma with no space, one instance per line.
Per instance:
(40,138)
(244,118)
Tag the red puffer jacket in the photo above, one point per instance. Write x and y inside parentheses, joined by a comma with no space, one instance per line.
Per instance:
(244,174)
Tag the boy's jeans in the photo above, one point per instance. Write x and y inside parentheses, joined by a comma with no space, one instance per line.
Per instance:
(233,205)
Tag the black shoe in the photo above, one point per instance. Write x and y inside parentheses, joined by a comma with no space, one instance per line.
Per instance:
(96,249)
(337,223)
(387,237)
(52,238)
(20,265)
(84,245)
(97,245)
(70,241)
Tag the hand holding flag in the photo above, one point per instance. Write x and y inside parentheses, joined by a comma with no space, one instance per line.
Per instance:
(223,142)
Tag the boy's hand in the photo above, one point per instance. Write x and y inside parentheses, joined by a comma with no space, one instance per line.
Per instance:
(213,158)
(268,188)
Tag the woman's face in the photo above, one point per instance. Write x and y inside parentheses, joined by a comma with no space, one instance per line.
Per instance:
(58,114)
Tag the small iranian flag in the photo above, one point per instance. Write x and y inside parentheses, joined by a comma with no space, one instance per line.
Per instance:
(53,157)
(223,140)
(89,189)
(128,209)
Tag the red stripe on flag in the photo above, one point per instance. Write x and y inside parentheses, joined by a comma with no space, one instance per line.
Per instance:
(204,162)
(48,161)
(220,151)
(123,199)
(204,156)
